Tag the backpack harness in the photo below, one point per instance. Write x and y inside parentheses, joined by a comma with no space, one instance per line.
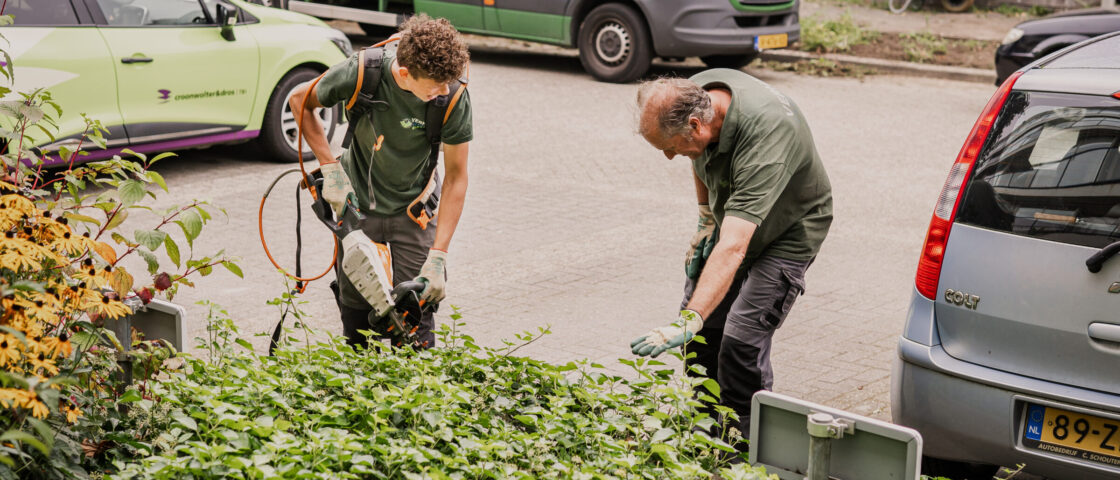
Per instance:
(423,209)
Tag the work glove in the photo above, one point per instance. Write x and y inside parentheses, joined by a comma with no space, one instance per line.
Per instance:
(434,276)
(702,243)
(336,187)
(663,338)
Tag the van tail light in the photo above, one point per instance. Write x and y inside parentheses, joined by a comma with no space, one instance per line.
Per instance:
(929,265)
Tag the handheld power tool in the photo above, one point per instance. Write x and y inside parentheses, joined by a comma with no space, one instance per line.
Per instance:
(368,266)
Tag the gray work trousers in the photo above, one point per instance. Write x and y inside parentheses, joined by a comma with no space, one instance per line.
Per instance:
(738,332)
(409,245)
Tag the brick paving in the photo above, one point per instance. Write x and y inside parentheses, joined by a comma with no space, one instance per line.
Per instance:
(573,222)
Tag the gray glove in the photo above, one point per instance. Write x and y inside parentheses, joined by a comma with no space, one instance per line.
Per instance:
(663,338)
(434,276)
(336,187)
(702,243)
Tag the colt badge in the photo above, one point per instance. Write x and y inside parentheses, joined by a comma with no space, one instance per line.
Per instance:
(961,299)
(1114,288)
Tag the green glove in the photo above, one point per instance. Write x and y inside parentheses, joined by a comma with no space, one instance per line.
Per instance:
(434,276)
(336,187)
(663,338)
(702,243)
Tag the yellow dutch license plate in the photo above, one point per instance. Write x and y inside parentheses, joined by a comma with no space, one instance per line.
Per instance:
(1073,434)
(766,42)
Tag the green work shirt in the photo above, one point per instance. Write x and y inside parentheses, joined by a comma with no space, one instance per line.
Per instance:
(393,175)
(764,169)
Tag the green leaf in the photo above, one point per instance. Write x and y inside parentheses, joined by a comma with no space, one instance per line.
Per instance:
(151,239)
(18,436)
(172,250)
(44,431)
(152,261)
(712,386)
(117,219)
(661,435)
(184,420)
(130,395)
(131,191)
(191,224)
(161,157)
(157,178)
(80,218)
(233,268)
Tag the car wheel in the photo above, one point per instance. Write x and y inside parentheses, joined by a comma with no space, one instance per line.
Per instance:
(614,44)
(956,6)
(938,467)
(378,31)
(729,61)
(279,132)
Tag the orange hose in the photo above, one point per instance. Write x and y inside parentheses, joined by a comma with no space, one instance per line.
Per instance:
(310,188)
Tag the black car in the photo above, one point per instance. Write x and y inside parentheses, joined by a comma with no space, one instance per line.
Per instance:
(1034,39)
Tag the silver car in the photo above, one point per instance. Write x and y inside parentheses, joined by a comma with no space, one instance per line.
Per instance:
(1011,350)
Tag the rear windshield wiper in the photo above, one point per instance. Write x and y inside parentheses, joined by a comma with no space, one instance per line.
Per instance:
(1096,261)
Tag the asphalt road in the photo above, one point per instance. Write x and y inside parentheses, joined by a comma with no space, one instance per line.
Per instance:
(573,222)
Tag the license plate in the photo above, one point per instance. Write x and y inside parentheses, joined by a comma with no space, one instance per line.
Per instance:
(764,42)
(1072,434)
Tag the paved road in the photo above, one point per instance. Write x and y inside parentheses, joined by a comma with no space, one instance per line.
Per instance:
(573,221)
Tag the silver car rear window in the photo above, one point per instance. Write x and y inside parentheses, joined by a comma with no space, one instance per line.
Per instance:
(1050,170)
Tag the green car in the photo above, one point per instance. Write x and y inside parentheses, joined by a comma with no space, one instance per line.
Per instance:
(171,74)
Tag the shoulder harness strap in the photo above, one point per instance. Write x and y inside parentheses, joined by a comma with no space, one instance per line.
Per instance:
(365,88)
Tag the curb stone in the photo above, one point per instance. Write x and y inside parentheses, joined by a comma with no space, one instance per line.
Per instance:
(889,66)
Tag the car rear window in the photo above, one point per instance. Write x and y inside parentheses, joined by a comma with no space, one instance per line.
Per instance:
(1050,170)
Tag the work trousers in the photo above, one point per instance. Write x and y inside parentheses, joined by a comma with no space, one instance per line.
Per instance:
(409,245)
(739,331)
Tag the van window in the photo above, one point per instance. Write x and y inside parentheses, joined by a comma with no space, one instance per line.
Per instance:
(46,13)
(1050,170)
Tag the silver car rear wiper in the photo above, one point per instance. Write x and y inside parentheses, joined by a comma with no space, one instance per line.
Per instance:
(1096,261)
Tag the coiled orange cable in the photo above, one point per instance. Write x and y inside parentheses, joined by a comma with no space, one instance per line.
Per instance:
(310,189)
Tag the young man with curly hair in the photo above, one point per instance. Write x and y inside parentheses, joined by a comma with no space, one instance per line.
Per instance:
(383,181)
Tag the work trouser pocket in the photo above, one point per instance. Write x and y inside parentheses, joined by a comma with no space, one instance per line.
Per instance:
(786,292)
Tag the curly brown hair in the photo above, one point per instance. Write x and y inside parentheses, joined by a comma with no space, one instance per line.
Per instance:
(432,48)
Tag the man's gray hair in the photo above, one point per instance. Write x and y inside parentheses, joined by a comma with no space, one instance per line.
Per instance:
(675,100)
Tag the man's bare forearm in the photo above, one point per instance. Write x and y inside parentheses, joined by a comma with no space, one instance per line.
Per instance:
(310,126)
(453,195)
(719,271)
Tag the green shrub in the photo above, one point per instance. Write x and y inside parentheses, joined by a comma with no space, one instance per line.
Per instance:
(833,35)
(459,411)
(63,250)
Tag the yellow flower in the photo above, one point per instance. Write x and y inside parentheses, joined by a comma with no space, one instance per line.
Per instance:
(72,413)
(108,307)
(70,244)
(15,209)
(44,362)
(57,346)
(76,296)
(90,276)
(20,254)
(39,409)
(9,349)
(12,398)
(15,314)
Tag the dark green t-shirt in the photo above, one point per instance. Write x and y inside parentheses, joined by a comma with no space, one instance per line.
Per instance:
(393,174)
(765,169)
